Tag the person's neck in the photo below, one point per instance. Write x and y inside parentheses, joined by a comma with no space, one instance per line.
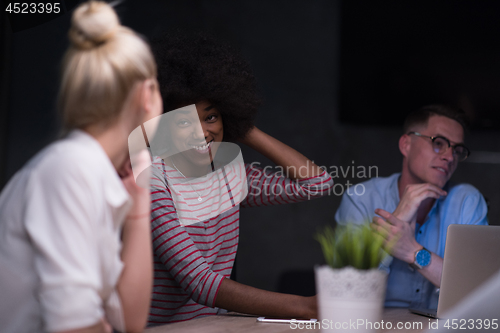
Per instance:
(113,139)
(187,168)
(425,206)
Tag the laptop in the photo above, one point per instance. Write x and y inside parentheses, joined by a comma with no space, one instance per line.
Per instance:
(471,256)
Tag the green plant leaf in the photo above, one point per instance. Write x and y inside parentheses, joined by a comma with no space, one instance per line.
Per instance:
(351,245)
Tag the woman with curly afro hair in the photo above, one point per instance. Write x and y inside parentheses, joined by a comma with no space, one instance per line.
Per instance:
(193,260)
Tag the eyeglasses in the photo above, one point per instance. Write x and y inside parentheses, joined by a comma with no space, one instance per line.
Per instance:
(441,144)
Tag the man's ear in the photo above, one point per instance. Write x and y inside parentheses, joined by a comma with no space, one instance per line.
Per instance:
(404,144)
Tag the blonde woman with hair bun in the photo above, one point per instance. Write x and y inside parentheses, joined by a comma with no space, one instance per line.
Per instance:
(75,247)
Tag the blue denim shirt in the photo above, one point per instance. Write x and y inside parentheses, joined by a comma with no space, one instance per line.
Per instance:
(406,287)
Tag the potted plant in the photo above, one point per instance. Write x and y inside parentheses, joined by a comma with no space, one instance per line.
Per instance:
(350,287)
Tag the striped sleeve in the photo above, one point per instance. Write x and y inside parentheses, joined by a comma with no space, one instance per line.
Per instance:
(177,251)
(273,188)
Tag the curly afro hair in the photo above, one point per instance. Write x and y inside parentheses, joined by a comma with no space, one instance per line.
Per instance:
(194,67)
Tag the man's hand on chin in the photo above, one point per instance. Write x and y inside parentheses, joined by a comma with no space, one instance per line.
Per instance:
(411,199)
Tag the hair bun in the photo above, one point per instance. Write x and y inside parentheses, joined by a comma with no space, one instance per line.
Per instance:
(92,24)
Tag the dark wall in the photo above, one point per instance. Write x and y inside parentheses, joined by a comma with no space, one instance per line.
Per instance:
(441,51)
(5,61)
(294,49)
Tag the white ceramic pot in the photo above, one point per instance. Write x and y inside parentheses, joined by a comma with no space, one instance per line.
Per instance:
(350,300)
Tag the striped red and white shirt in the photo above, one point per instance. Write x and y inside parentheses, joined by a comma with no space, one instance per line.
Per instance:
(192,259)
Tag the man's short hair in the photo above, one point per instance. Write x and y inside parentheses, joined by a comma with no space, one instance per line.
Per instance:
(422,115)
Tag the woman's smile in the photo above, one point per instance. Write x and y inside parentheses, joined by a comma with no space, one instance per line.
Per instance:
(202,148)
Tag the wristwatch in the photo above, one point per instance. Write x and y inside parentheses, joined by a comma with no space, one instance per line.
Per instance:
(422,258)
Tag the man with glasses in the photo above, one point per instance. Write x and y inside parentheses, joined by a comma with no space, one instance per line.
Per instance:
(415,207)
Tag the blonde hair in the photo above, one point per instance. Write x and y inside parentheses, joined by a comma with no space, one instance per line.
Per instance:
(100,67)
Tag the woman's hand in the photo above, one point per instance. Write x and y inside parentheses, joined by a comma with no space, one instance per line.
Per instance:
(135,283)
(138,189)
(312,307)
